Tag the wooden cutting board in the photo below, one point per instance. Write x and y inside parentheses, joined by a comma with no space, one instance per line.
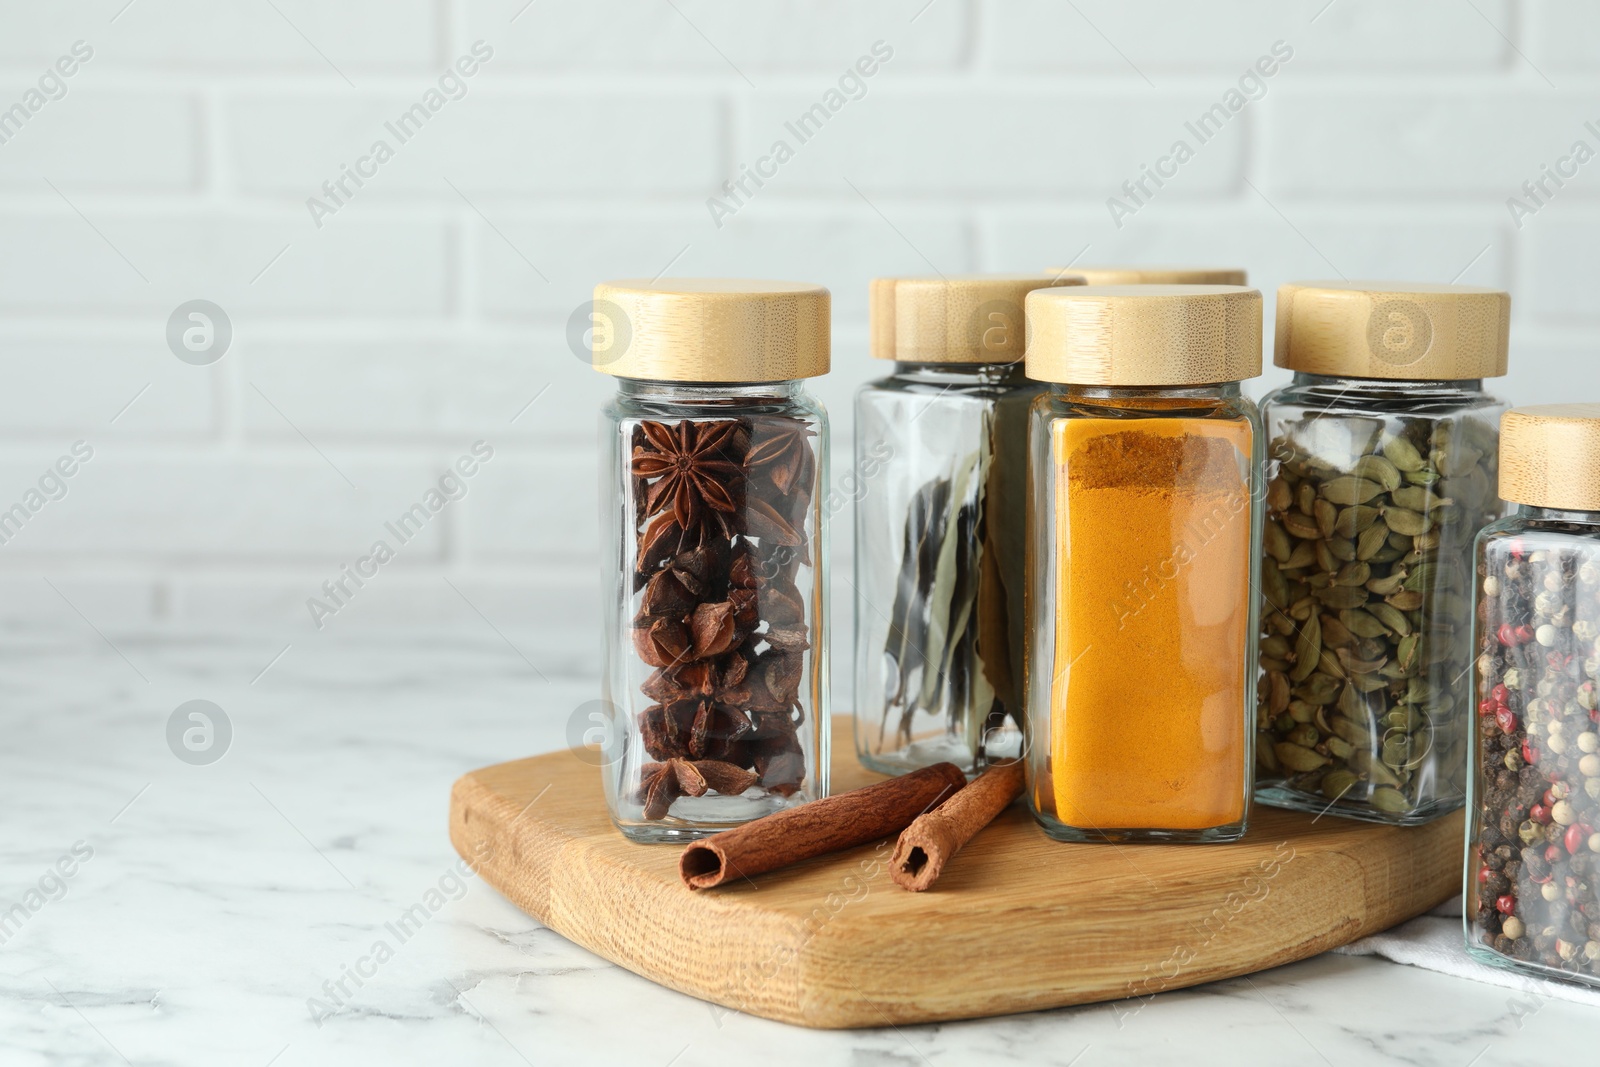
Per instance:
(1017,923)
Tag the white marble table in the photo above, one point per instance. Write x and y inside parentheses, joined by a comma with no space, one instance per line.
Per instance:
(220,898)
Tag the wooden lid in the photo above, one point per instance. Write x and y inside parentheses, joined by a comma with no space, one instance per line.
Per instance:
(1550,456)
(712,330)
(1157,275)
(1144,334)
(973,318)
(880,318)
(1413,331)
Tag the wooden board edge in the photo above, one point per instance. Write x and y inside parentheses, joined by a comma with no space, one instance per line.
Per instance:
(828,1005)
(536,880)
(538,867)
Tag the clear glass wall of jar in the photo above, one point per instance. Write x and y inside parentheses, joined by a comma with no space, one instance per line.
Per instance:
(940,492)
(1532,885)
(1381,468)
(714,554)
(1144,528)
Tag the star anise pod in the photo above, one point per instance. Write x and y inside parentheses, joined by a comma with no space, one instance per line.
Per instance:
(664,728)
(666,594)
(662,540)
(781,764)
(780,452)
(703,728)
(775,679)
(661,642)
(722,680)
(662,783)
(763,521)
(694,476)
(780,604)
(787,638)
(658,788)
(725,778)
(716,730)
(720,627)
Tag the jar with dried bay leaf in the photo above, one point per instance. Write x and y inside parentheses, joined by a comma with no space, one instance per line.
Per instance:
(714,552)
(1381,469)
(939,487)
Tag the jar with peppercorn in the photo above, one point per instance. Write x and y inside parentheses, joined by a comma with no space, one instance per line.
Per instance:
(1381,463)
(714,551)
(940,483)
(1533,857)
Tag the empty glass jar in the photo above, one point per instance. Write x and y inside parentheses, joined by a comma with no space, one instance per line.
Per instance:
(940,487)
(1533,860)
(1381,466)
(1144,518)
(714,552)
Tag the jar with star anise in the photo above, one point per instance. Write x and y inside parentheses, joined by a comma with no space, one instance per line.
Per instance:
(714,550)
(940,486)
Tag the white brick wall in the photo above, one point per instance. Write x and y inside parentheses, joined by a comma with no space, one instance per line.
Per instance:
(428,309)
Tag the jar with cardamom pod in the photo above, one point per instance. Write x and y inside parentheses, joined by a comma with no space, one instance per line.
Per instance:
(1143,552)
(1381,468)
(1532,886)
(713,552)
(939,485)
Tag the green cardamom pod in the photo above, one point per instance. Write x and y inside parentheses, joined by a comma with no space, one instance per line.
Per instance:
(1392,617)
(1372,540)
(1405,521)
(1336,784)
(1298,758)
(1377,469)
(1347,490)
(1387,798)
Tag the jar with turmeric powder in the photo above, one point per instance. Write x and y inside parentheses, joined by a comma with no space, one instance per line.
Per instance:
(1143,551)
(1382,460)
(940,487)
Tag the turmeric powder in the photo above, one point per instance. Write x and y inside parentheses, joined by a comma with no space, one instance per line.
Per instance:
(1148,700)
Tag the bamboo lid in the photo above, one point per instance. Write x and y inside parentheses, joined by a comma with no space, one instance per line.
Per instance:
(1157,275)
(1413,331)
(1144,334)
(974,318)
(712,329)
(1550,456)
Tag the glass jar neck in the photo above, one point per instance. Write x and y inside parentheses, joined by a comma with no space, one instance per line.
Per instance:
(958,374)
(1111,393)
(1529,513)
(1388,388)
(708,392)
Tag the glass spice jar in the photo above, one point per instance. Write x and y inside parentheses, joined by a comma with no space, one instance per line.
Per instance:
(1144,527)
(1381,469)
(940,482)
(1532,886)
(1156,275)
(714,552)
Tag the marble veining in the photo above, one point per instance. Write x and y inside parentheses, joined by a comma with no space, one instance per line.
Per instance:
(233,912)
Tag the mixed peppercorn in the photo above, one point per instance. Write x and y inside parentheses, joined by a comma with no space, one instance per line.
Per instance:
(1537,886)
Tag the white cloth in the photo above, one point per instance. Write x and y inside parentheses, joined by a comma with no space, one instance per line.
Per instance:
(1435,942)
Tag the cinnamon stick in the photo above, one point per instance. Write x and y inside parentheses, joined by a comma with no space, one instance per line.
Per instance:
(930,842)
(822,826)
